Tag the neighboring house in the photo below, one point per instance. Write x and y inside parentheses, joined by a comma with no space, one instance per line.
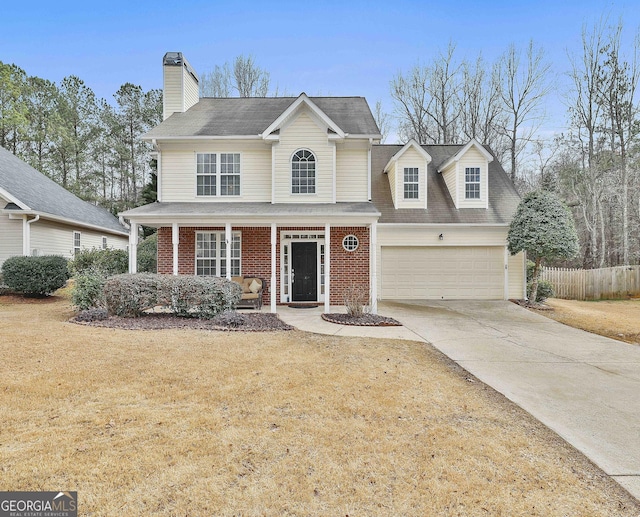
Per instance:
(39,217)
(297,191)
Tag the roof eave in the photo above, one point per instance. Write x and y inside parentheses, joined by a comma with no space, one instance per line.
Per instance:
(66,220)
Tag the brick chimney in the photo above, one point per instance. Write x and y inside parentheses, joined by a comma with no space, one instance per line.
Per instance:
(180,83)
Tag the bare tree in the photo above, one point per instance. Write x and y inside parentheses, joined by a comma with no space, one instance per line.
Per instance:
(411,95)
(217,82)
(618,82)
(382,120)
(250,79)
(482,114)
(523,88)
(245,78)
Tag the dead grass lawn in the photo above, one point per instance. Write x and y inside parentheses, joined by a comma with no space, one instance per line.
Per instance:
(618,319)
(191,423)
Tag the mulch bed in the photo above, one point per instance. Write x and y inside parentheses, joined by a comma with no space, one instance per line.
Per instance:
(366,320)
(258,322)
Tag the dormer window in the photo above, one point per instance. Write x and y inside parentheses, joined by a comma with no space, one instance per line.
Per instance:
(411,183)
(472,183)
(303,172)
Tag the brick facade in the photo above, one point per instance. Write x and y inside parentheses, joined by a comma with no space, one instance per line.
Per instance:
(347,268)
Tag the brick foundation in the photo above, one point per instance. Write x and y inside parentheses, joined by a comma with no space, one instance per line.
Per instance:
(347,268)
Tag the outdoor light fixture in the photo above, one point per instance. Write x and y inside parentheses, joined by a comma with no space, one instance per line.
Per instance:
(441,237)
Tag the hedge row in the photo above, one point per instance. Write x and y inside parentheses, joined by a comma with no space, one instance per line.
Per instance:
(129,295)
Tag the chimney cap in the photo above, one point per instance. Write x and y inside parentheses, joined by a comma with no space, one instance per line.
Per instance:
(177,59)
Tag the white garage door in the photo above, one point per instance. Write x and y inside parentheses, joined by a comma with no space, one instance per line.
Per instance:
(443,273)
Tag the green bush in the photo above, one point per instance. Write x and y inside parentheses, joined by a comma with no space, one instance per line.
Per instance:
(129,295)
(545,290)
(88,291)
(148,255)
(108,261)
(35,276)
(198,296)
(185,295)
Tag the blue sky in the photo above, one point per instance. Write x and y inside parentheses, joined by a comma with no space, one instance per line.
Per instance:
(323,48)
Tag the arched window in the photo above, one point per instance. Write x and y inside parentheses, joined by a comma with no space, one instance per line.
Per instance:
(303,172)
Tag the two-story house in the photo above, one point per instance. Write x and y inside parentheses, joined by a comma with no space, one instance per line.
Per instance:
(299,191)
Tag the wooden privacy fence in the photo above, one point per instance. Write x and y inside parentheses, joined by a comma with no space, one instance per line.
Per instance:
(594,284)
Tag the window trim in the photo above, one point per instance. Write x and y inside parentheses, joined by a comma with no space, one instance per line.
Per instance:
(315,175)
(350,240)
(406,183)
(467,184)
(77,248)
(220,237)
(217,174)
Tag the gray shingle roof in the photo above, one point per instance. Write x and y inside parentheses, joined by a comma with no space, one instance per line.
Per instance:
(253,209)
(44,195)
(503,198)
(251,116)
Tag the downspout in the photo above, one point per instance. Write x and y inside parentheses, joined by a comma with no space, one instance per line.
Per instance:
(26,234)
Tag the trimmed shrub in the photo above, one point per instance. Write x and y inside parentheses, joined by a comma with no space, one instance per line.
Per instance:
(107,261)
(545,290)
(148,254)
(186,295)
(129,295)
(88,291)
(198,296)
(35,276)
(230,319)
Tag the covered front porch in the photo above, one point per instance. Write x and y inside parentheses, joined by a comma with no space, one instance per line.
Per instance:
(307,257)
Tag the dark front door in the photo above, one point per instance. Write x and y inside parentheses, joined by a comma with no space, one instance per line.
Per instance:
(304,269)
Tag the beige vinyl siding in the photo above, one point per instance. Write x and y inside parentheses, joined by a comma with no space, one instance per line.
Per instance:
(172,94)
(411,158)
(11,236)
(391,173)
(517,274)
(473,158)
(52,238)
(191,89)
(304,133)
(178,177)
(352,171)
(449,176)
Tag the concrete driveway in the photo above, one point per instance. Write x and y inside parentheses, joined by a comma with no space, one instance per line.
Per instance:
(583,386)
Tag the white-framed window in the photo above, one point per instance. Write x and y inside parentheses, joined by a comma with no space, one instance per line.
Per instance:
(212,258)
(218,174)
(104,243)
(472,183)
(76,242)
(303,172)
(350,243)
(230,174)
(411,183)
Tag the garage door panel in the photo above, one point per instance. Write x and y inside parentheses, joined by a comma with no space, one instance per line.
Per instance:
(442,273)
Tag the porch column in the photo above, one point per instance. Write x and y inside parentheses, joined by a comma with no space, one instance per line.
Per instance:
(272,285)
(133,247)
(327,268)
(175,240)
(506,272)
(228,238)
(373,276)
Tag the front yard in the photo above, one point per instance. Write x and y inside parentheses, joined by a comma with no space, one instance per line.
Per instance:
(192,422)
(618,319)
